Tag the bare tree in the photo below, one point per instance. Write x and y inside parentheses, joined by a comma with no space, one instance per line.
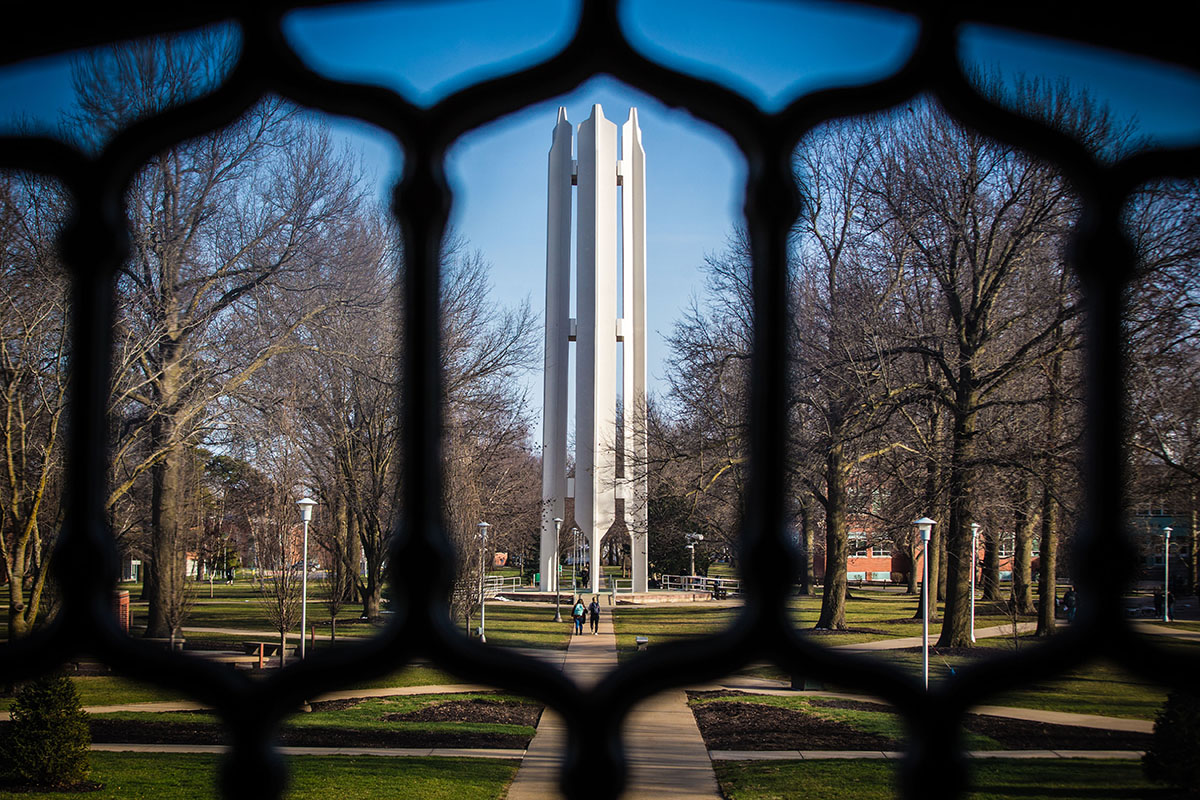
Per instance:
(1163,340)
(486,467)
(844,391)
(987,224)
(233,237)
(33,378)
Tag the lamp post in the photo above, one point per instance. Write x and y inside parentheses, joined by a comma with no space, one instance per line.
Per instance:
(692,538)
(974,567)
(574,558)
(557,610)
(306,512)
(1167,573)
(925,528)
(483,530)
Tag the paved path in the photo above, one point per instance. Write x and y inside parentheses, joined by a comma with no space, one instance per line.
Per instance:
(1164,629)
(667,754)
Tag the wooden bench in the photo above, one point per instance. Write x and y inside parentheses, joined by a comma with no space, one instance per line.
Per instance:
(264,649)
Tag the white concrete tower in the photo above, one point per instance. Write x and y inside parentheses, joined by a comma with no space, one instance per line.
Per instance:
(558,333)
(632,175)
(599,479)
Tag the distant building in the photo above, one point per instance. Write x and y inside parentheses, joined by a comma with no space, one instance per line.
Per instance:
(875,557)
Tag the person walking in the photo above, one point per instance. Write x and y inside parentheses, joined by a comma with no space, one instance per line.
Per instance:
(577,614)
(1069,603)
(594,614)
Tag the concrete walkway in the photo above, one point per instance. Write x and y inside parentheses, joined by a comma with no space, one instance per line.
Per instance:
(667,754)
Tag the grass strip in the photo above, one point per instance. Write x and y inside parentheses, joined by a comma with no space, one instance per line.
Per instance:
(990,779)
(366,715)
(162,776)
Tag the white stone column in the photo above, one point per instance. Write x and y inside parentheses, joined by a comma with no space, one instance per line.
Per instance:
(633,224)
(558,310)
(596,341)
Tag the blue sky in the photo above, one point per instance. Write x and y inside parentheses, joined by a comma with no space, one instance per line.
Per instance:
(768,50)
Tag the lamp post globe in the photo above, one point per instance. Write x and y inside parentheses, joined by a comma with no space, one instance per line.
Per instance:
(306,512)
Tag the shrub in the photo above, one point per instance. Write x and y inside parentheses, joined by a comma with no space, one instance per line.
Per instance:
(1174,754)
(48,739)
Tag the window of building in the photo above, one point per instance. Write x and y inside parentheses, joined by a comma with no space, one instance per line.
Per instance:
(858,544)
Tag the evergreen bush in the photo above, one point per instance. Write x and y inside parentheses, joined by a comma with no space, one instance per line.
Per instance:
(1174,754)
(48,739)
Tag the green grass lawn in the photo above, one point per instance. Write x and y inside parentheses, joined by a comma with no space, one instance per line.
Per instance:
(881,723)
(107,690)
(667,623)
(872,614)
(991,779)
(527,625)
(1094,689)
(366,715)
(1098,688)
(719,569)
(158,776)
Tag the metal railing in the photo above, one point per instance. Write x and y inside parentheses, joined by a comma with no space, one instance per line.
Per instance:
(699,583)
(93,246)
(498,584)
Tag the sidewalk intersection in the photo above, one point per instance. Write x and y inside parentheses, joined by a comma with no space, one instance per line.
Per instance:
(666,752)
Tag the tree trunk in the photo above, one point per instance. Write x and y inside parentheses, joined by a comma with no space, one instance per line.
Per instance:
(1022,571)
(807,580)
(283,648)
(165,548)
(956,620)
(991,565)
(833,596)
(374,546)
(18,624)
(166,558)
(1048,586)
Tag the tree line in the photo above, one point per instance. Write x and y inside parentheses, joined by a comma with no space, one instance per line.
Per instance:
(936,354)
(256,353)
